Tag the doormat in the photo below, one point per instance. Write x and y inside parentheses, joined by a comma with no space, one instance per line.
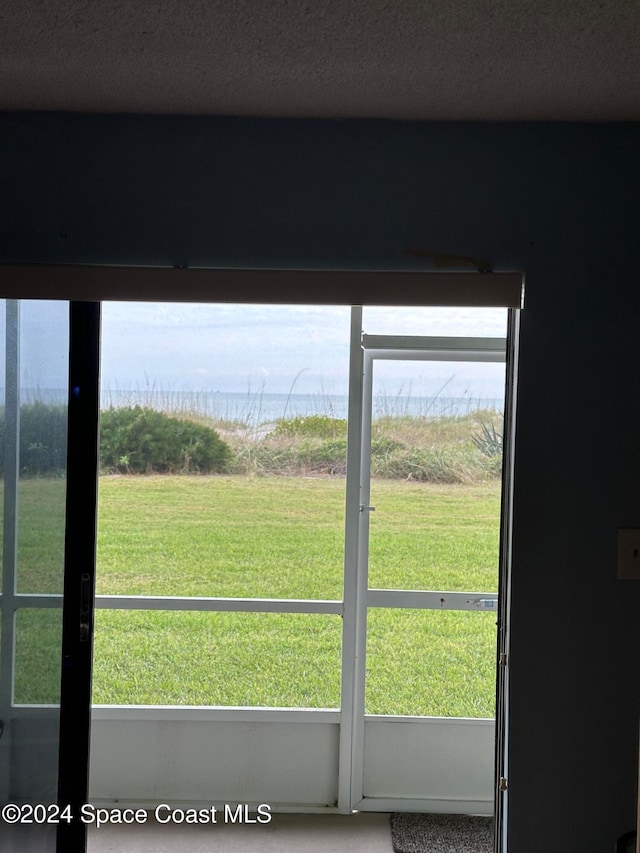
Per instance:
(441,833)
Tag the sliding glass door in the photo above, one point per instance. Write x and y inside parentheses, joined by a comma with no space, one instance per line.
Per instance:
(47,514)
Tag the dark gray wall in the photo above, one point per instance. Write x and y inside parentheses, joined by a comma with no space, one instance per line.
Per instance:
(559,201)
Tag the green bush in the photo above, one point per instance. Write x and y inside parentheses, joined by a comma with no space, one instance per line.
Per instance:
(43,439)
(382,448)
(312,426)
(134,440)
(329,457)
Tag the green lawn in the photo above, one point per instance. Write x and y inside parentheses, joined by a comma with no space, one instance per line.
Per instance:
(283,537)
(272,537)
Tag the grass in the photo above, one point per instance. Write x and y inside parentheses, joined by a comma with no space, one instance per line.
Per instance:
(169,658)
(221,536)
(436,450)
(279,536)
(430,663)
(282,537)
(41,524)
(38,648)
(427,536)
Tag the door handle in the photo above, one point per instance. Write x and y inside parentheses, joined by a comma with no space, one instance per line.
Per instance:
(85,608)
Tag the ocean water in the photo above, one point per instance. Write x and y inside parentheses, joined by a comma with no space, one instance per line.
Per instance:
(254,409)
(262,408)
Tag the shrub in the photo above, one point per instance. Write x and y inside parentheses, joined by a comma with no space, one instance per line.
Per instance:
(436,465)
(382,447)
(43,439)
(139,440)
(329,457)
(312,426)
(299,458)
(489,442)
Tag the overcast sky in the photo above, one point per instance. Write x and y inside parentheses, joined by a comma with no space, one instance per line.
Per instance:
(241,348)
(258,348)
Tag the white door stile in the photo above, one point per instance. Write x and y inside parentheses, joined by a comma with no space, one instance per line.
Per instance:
(349,716)
(364,509)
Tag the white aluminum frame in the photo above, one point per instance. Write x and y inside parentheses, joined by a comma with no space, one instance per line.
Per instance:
(394,348)
(218,605)
(412,348)
(418,599)
(352,639)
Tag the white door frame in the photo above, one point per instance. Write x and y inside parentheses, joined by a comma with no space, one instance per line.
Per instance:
(365,349)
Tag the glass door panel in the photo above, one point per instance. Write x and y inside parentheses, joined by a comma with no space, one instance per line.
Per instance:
(36,667)
(35,353)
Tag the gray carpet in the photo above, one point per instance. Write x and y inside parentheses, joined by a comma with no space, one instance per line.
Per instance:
(441,833)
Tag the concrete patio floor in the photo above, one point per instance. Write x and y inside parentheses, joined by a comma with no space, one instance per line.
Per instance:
(286,833)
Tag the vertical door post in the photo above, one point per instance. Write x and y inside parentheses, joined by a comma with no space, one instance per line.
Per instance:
(79,569)
(10,538)
(348,714)
(504,586)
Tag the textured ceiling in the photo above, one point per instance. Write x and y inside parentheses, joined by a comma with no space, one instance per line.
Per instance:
(402,59)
